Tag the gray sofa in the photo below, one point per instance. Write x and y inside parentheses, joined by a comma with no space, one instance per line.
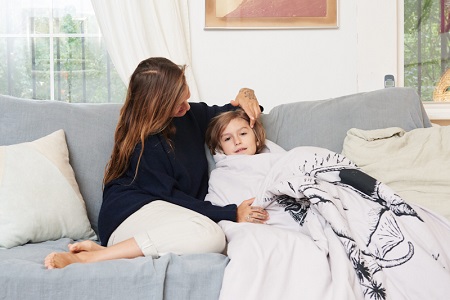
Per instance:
(89,130)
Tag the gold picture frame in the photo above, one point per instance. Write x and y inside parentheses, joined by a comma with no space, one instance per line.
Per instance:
(264,14)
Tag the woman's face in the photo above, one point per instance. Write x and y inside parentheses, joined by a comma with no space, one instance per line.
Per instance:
(238,138)
(181,109)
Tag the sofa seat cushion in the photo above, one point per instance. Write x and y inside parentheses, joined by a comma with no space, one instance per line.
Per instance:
(23,276)
(39,196)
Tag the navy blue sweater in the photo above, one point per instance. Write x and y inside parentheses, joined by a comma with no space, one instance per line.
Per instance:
(179,176)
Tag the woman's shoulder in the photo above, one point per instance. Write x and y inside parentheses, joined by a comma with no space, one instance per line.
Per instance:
(201,113)
(204,110)
(157,153)
(153,143)
(153,140)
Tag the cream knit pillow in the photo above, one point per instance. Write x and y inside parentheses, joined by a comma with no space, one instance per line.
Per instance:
(39,196)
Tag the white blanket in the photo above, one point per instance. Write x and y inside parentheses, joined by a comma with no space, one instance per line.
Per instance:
(238,177)
(359,239)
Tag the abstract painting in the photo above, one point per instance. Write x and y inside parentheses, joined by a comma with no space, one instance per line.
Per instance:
(270,14)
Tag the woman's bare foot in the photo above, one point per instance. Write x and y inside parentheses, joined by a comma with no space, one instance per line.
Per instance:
(88,251)
(78,253)
(84,246)
(61,259)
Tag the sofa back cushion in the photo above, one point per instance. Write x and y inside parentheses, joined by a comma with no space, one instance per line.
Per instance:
(89,130)
(325,123)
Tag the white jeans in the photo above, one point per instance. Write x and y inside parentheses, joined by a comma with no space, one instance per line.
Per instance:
(161,227)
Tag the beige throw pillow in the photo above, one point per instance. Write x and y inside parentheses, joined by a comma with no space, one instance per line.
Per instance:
(415,164)
(39,196)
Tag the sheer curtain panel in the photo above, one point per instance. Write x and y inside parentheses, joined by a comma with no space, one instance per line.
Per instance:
(139,29)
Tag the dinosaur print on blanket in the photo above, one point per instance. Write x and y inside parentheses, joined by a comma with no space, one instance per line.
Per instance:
(365,214)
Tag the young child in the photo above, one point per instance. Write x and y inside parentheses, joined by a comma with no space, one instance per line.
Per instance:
(236,149)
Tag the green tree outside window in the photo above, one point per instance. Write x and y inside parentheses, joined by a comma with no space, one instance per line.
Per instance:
(426,44)
(56,53)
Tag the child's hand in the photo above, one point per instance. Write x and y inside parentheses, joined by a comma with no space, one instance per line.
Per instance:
(252,214)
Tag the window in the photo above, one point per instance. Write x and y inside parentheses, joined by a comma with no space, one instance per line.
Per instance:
(426,44)
(54,50)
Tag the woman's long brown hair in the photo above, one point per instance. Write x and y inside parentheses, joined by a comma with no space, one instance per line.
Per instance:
(154,91)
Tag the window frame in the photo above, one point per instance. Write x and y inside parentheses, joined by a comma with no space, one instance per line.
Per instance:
(435,110)
(52,38)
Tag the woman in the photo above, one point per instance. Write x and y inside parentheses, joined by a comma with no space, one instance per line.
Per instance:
(157,177)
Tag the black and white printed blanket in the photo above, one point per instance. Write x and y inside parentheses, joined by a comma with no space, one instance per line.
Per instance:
(384,247)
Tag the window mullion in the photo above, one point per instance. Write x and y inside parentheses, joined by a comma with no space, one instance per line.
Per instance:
(52,62)
(37,37)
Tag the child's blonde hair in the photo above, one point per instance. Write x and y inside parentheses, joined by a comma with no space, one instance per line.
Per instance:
(218,124)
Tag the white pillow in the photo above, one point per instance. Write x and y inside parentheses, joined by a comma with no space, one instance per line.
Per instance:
(39,196)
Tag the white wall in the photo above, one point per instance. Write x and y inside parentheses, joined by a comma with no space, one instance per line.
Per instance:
(297,64)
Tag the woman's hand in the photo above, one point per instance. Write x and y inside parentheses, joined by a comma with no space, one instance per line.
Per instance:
(246,99)
(252,214)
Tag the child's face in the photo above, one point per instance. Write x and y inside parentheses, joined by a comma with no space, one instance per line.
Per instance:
(238,138)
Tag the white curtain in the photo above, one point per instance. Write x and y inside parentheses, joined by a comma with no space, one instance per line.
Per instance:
(134,30)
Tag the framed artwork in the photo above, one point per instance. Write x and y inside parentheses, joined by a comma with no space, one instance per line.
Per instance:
(270,14)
